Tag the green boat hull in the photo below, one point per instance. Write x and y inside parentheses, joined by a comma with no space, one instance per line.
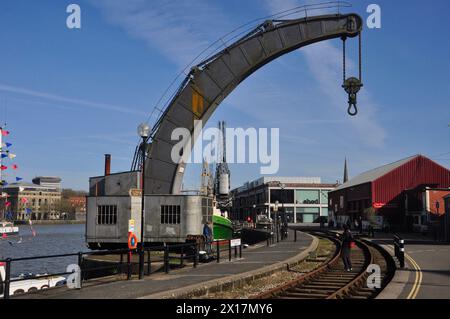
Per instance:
(222,228)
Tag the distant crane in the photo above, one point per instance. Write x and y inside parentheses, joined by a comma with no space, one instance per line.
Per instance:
(222,180)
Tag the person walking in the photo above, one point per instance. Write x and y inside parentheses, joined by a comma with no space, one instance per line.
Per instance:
(207,232)
(347,239)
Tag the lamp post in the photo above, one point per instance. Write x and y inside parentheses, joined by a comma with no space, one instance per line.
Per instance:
(282,186)
(275,215)
(144,133)
(254,214)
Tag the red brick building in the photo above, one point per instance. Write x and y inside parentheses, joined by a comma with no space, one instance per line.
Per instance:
(402,193)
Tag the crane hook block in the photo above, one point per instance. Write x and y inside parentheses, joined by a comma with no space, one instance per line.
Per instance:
(352,86)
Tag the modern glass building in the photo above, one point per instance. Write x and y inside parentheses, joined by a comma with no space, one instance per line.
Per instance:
(303,199)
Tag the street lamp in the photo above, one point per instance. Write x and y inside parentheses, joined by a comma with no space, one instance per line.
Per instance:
(282,186)
(275,215)
(254,214)
(144,133)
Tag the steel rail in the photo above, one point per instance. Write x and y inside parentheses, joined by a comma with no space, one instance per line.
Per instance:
(345,290)
(310,275)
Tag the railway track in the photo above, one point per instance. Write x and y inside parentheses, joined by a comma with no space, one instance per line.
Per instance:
(331,281)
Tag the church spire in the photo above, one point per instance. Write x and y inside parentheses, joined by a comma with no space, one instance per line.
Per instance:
(345,171)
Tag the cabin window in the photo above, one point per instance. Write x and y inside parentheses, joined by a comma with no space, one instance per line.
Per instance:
(170,214)
(106,215)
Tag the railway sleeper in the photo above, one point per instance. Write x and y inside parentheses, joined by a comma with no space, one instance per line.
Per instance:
(304,295)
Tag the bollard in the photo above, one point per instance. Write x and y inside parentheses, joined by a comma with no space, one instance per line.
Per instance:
(295,235)
(240,251)
(195,255)
(235,252)
(7,278)
(399,248)
(268,241)
(182,257)
(401,258)
(149,263)
(80,262)
(129,265)
(229,250)
(166,260)
(218,251)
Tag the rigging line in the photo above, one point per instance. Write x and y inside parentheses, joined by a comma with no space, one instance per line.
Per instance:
(360,56)
(343,59)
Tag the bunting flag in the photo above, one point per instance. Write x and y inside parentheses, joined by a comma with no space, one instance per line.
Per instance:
(28,211)
(4,167)
(5,133)
(4,194)
(6,145)
(4,183)
(4,155)
(4,236)
(14,167)
(24,200)
(7,204)
(12,156)
(18,179)
(9,215)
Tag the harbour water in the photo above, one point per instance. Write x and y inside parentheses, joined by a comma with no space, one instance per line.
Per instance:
(49,240)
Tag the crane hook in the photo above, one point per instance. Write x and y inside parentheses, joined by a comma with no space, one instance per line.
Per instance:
(352,86)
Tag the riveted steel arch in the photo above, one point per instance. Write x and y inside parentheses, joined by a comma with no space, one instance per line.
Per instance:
(208,84)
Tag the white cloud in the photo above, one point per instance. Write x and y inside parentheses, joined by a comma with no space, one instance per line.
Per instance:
(325,63)
(59,98)
(179,30)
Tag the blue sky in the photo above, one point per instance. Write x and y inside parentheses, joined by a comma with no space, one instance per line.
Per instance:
(70,96)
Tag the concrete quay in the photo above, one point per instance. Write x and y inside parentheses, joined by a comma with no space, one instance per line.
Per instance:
(256,261)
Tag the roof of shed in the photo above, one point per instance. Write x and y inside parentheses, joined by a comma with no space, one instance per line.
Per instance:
(376,173)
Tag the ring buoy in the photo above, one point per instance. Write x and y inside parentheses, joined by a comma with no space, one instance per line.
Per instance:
(132,241)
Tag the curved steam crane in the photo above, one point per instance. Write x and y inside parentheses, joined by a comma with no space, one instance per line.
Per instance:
(201,92)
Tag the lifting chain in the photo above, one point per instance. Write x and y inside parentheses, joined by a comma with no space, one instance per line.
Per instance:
(352,85)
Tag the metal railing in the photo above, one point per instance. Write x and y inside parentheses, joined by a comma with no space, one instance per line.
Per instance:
(228,245)
(178,252)
(188,250)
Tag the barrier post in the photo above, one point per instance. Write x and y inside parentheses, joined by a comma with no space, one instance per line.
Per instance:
(80,262)
(402,253)
(149,263)
(166,260)
(399,248)
(7,278)
(182,256)
(129,265)
(240,251)
(229,250)
(195,255)
(295,235)
(218,251)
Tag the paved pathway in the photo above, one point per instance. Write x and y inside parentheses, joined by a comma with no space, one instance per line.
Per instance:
(427,273)
(252,258)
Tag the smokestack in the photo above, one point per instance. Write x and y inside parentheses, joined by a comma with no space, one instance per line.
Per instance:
(107,164)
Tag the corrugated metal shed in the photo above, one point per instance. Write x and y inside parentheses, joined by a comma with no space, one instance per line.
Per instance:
(373,174)
(416,171)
